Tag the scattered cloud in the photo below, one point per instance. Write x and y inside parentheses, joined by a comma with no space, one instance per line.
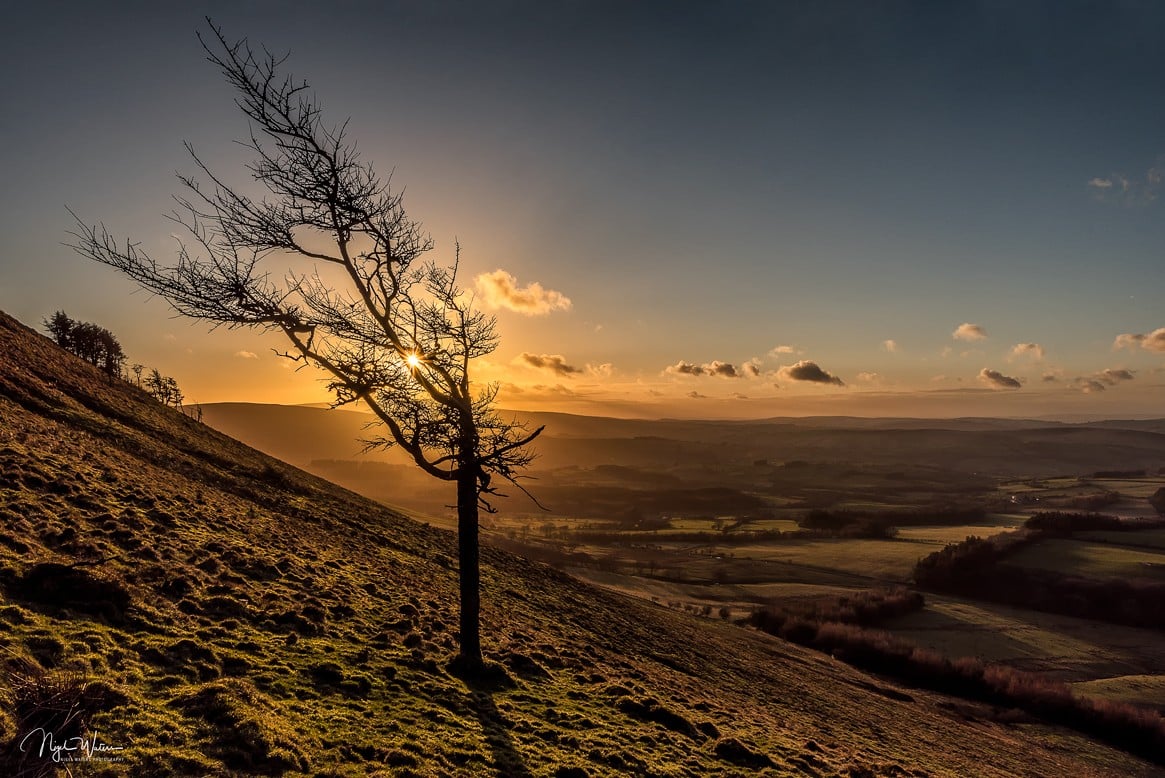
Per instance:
(1088,385)
(810,372)
(890,345)
(1033,350)
(934,379)
(724,369)
(1130,189)
(540,391)
(751,369)
(1127,340)
(683,368)
(1112,377)
(777,351)
(246,355)
(605,370)
(499,289)
(1050,376)
(1098,382)
(997,380)
(697,396)
(1153,341)
(715,367)
(869,378)
(554,363)
(969,332)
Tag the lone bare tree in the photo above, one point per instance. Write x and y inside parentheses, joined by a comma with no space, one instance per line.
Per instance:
(398,334)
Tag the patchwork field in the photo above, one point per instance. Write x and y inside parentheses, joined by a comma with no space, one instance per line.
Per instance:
(1094,560)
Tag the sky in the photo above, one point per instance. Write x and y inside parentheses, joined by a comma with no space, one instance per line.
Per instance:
(706,210)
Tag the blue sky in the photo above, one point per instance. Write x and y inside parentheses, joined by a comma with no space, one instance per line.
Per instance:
(705,182)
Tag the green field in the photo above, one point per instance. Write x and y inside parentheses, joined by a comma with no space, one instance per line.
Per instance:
(1068,648)
(890,560)
(1149,537)
(1139,689)
(941,536)
(1092,560)
(1134,488)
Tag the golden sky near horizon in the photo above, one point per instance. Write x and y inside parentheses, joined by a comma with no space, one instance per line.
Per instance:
(746,211)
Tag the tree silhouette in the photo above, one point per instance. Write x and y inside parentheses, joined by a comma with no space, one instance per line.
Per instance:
(164,389)
(399,336)
(96,345)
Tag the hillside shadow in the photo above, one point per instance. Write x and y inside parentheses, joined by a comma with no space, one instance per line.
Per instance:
(507,762)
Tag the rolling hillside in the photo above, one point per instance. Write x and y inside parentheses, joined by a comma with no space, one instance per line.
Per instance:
(213,611)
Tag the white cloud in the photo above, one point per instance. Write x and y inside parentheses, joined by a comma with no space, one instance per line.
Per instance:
(778,350)
(890,345)
(499,289)
(869,378)
(1152,341)
(1130,189)
(1033,350)
(246,354)
(969,332)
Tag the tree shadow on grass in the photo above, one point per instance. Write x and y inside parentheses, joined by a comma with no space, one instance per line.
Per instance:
(507,761)
(482,684)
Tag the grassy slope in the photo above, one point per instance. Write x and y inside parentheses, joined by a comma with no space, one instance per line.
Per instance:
(281,624)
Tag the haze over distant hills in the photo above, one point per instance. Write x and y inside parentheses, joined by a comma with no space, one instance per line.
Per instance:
(1003,447)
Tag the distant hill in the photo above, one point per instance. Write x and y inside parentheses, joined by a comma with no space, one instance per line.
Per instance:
(213,611)
(1001,447)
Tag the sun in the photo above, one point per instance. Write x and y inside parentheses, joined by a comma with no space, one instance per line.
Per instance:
(413,360)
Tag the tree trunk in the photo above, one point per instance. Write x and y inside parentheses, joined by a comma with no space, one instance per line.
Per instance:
(468,556)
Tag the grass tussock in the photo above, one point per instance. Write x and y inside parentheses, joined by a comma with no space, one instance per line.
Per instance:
(47,707)
(250,734)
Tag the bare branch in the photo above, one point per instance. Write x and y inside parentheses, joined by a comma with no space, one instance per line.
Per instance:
(399,335)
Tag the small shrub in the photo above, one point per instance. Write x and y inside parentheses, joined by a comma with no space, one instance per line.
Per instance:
(55,701)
